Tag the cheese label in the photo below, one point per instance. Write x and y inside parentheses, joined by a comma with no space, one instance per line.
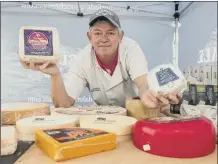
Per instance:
(104,120)
(38,42)
(165,76)
(73,134)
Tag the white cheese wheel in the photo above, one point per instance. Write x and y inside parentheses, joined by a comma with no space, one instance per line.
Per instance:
(120,125)
(39,44)
(27,126)
(92,110)
(8,140)
(11,112)
(166,78)
(26,137)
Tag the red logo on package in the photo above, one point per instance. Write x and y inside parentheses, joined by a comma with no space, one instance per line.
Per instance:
(38,40)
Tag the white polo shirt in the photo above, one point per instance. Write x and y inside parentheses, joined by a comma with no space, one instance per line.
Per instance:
(104,88)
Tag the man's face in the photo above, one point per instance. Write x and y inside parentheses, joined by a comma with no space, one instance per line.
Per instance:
(104,38)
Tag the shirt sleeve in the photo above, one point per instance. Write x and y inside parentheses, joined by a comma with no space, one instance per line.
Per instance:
(75,81)
(136,61)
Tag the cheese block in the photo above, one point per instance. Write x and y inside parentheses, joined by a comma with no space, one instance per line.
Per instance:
(91,110)
(120,125)
(166,78)
(62,144)
(39,44)
(27,126)
(188,137)
(136,109)
(11,112)
(8,140)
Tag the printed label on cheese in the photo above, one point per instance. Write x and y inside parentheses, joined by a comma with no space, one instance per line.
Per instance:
(38,42)
(166,76)
(73,134)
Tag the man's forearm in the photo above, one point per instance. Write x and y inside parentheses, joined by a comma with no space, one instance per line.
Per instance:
(59,95)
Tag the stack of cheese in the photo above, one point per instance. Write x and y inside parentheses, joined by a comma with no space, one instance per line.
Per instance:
(12,112)
(120,125)
(26,127)
(8,140)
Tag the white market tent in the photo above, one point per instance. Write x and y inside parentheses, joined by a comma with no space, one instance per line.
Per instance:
(149,23)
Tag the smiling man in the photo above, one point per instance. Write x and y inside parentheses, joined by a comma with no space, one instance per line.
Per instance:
(111,66)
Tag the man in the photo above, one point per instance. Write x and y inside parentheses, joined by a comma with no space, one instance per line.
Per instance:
(110,66)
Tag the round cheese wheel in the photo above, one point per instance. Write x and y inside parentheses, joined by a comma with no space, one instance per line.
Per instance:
(26,137)
(91,110)
(120,125)
(11,112)
(166,78)
(175,137)
(29,125)
(39,44)
(8,140)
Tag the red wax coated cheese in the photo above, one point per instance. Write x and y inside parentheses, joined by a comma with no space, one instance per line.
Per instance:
(177,138)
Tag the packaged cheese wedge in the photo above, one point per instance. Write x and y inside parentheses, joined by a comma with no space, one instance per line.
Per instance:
(26,127)
(166,78)
(62,144)
(8,140)
(39,44)
(11,112)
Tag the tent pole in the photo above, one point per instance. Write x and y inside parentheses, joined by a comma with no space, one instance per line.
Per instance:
(176,36)
(176,43)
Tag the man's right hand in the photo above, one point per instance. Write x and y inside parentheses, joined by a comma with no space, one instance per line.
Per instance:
(46,67)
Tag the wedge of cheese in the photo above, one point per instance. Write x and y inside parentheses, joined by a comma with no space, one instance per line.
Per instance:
(62,144)
(166,78)
(8,140)
(12,112)
(26,127)
(39,44)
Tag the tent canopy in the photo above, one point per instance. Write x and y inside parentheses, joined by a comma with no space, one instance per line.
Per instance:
(149,23)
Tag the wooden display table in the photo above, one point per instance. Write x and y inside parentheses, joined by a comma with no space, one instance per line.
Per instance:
(125,153)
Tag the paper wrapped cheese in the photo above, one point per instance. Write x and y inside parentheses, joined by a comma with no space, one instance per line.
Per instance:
(166,78)
(39,44)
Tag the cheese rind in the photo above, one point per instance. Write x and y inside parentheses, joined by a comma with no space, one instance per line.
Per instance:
(166,78)
(26,127)
(8,140)
(67,143)
(39,44)
(120,125)
(12,112)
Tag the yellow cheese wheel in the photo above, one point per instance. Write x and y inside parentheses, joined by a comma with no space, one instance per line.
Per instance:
(12,112)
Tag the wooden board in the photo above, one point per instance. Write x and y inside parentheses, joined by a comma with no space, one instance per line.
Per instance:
(125,153)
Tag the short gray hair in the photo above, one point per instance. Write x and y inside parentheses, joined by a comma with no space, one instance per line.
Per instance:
(107,21)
